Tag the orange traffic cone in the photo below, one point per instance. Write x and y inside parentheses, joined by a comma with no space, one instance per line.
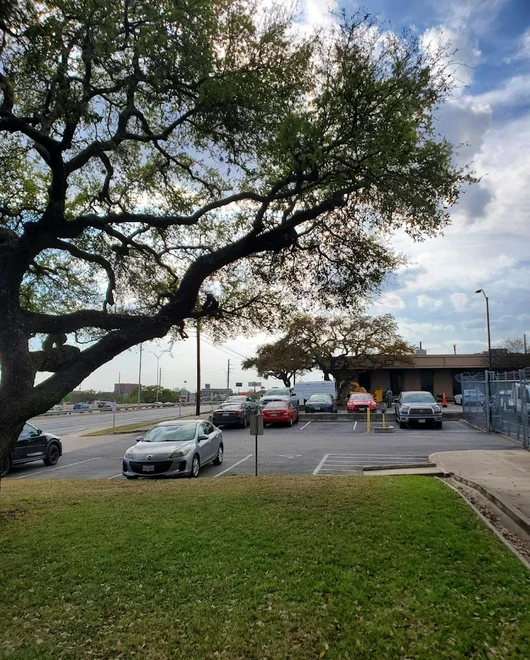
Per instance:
(444,401)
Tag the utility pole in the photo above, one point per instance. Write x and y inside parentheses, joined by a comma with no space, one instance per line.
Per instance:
(454,349)
(228,380)
(524,343)
(140,374)
(198,397)
(159,383)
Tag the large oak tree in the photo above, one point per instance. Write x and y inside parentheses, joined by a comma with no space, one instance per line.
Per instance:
(167,161)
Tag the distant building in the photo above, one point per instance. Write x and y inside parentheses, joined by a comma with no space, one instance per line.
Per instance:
(124,389)
(215,393)
(434,373)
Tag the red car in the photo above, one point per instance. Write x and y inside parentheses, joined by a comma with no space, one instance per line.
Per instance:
(280,412)
(361,402)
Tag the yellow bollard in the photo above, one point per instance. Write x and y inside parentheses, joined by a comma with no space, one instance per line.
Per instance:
(368,420)
(383,420)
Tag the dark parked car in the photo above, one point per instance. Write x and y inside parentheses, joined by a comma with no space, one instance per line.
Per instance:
(320,403)
(234,413)
(241,398)
(33,445)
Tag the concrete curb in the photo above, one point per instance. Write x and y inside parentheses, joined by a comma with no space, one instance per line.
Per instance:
(513,513)
(369,468)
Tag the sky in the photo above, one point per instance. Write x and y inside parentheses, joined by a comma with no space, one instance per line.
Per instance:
(432,297)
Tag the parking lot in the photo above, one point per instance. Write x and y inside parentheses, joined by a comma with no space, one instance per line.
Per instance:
(312,448)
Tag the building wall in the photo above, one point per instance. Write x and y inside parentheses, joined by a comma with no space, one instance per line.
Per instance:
(379,379)
(443,382)
(411,379)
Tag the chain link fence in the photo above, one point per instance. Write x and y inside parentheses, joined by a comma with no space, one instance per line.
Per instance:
(498,402)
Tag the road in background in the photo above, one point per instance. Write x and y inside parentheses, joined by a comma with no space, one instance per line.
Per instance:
(79,422)
(318,447)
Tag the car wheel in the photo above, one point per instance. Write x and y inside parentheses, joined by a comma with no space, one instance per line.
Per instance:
(128,476)
(195,467)
(438,425)
(244,422)
(219,458)
(5,467)
(297,418)
(402,425)
(53,454)
(290,421)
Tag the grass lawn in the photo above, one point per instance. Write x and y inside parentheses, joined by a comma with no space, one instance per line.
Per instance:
(138,427)
(382,567)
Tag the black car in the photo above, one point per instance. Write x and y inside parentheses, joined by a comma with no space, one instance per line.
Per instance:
(320,403)
(234,413)
(33,445)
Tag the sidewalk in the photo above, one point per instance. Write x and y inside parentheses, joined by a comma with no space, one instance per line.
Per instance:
(501,475)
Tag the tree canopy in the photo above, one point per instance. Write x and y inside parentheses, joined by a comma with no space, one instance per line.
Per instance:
(338,345)
(283,359)
(164,162)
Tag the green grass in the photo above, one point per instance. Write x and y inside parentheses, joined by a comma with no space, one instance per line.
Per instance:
(255,568)
(135,427)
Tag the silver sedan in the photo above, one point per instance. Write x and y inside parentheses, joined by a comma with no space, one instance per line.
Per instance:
(174,448)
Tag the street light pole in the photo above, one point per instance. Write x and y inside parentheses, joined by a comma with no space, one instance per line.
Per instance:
(488,323)
(158,378)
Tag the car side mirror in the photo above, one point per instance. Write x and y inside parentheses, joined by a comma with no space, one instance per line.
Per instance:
(39,431)
(204,436)
(138,438)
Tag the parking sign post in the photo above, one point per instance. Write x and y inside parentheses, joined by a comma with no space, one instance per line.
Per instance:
(256,428)
(113,416)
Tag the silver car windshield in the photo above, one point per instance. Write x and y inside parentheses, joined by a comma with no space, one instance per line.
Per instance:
(417,397)
(320,397)
(180,433)
(278,391)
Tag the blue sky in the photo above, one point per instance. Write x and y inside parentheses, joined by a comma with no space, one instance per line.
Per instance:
(487,245)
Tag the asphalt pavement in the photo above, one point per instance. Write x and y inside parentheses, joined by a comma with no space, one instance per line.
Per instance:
(313,448)
(81,422)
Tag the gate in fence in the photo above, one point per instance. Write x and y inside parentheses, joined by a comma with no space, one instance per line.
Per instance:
(498,402)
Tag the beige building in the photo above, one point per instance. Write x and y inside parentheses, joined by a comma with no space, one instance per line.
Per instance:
(433,373)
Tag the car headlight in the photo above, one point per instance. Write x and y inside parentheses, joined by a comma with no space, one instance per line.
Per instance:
(404,410)
(437,409)
(178,453)
(129,453)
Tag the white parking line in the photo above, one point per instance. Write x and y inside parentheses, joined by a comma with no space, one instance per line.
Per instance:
(355,426)
(232,466)
(303,427)
(116,476)
(61,467)
(317,469)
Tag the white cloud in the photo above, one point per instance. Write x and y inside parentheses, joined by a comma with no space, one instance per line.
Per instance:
(522,51)
(514,91)
(460,301)
(391,300)
(426,302)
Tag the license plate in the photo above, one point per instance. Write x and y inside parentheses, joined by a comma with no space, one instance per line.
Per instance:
(273,414)
(148,468)
(318,408)
(227,414)
(421,421)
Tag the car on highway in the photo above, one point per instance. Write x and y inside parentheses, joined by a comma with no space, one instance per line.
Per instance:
(107,405)
(419,408)
(279,394)
(320,403)
(176,448)
(82,407)
(233,413)
(280,412)
(360,402)
(33,445)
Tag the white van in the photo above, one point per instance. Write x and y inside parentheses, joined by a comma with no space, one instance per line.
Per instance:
(305,390)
